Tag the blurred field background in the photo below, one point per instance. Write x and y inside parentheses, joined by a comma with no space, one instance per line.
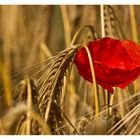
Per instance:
(31,35)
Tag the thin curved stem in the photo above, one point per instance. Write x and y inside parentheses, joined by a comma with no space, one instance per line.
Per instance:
(94,83)
(91,29)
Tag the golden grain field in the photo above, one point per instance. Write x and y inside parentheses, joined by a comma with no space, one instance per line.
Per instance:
(41,92)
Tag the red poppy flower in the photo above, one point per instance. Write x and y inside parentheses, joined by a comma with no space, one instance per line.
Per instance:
(116,62)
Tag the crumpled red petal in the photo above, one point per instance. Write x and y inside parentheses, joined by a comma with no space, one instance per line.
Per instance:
(116,62)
